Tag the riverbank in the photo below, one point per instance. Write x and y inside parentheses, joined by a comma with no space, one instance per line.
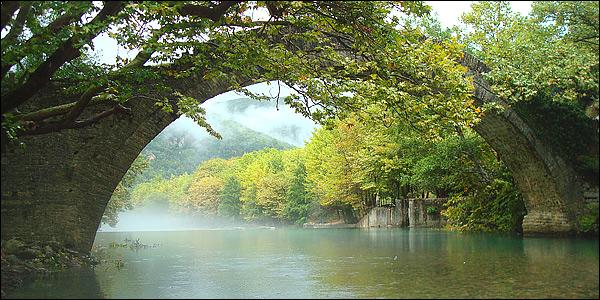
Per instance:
(21,260)
(329,225)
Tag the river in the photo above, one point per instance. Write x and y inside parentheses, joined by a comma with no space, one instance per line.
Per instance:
(330,263)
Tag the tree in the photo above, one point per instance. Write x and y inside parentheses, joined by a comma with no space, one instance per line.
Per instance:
(554,87)
(346,60)
(297,200)
(229,199)
(575,20)
(560,64)
(270,195)
(203,194)
(211,168)
(173,152)
(46,53)
(330,172)
(164,193)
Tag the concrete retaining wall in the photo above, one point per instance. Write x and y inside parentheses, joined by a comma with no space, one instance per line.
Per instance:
(407,212)
(420,216)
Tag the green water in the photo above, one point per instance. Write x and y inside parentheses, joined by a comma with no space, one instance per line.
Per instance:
(332,263)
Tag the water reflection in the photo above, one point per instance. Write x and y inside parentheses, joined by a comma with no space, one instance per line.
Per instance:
(341,263)
(78,283)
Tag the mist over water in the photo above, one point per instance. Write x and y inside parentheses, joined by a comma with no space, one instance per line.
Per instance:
(156,217)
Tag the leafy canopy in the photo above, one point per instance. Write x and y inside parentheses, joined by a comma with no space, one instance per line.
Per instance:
(338,56)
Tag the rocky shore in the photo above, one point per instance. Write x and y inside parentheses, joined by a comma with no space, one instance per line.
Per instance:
(20,260)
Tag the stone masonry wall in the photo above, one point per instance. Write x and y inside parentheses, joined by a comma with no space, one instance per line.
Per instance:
(389,216)
(58,185)
(591,194)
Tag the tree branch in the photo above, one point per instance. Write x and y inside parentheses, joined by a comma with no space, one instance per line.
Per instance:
(58,126)
(141,58)
(46,113)
(17,28)
(66,52)
(82,103)
(257,23)
(52,29)
(587,38)
(213,13)
(8,9)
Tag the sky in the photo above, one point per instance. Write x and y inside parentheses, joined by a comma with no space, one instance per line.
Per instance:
(449,12)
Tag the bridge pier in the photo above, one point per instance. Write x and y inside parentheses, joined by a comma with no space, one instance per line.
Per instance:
(552,191)
(57,186)
(543,223)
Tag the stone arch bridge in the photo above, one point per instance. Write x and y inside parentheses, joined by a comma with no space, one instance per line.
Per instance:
(58,185)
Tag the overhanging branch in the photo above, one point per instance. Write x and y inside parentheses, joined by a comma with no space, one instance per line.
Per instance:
(17,28)
(142,57)
(8,9)
(65,53)
(46,113)
(52,29)
(58,126)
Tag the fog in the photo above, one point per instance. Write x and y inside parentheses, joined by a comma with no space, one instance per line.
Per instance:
(283,124)
(155,216)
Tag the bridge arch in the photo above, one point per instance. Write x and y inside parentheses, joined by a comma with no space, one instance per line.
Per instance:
(58,186)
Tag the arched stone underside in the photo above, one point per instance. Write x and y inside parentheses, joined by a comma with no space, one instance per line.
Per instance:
(551,189)
(57,187)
